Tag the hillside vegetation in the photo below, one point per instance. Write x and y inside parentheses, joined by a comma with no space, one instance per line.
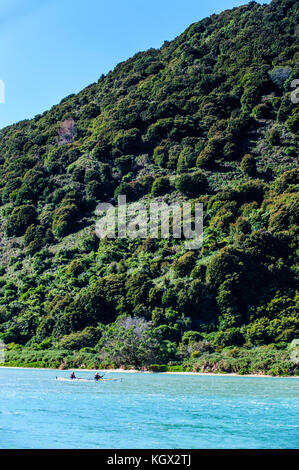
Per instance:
(208,118)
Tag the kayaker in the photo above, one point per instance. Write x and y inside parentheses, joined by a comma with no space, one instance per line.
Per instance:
(73,375)
(98,376)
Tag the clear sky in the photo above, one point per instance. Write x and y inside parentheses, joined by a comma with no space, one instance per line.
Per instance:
(52,48)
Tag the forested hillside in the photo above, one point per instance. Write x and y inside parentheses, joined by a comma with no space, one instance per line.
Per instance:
(208,118)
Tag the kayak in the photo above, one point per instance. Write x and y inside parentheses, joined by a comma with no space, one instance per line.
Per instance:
(78,379)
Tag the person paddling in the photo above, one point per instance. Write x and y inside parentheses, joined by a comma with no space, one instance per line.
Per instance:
(98,376)
(73,375)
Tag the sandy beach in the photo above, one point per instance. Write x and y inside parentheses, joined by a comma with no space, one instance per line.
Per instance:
(134,371)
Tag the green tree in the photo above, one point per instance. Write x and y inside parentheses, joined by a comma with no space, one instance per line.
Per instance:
(248,165)
(21,218)
(129,341)
(160,186)
(192,184)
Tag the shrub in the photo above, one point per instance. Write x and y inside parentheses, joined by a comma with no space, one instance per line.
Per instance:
(89,337)
(293,122)
(250,191)
(191,336)
(10,188)
(274,136)
(64,218)
(127,141)
(94,191)
(75,268)
(157,368)
(160,186)
(187,159)
(159,130)
(206,158)
(160,156)
(35,238)
(184,265)
(192,184)
(20,219)
(288,179)
(129,341)
(221,265)
(248,165)
(230,337)
(261,111)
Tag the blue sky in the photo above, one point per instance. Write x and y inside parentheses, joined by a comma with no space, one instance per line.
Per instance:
(51,48)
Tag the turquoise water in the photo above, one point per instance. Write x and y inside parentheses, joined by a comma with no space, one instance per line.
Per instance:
(147,411)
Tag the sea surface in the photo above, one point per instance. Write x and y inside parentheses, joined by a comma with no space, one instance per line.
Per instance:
(147,411)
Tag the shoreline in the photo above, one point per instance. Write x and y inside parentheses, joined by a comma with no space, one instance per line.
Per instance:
(135,371)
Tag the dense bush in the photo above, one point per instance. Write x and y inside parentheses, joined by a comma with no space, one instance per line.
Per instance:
(192,184)
(20,219)
(89,337)
(64,218)
(160,186)
(210,115)
(248,165)
(130,341)
(184,265)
